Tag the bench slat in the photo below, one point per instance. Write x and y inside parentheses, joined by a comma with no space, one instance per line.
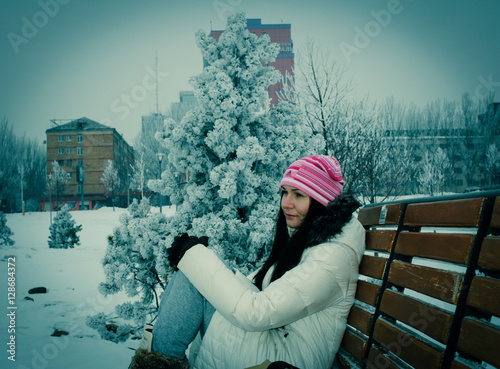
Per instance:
(371,216)
(438,246)
(453,213)
(489,257)
(484,295)
(428,319)
(480,340)
(380,240)
(367,292)
(411,349)
(372,266)
(360,319)
(378,360)
(440,284)
(354,345)
(495,219)
(343,362)
(455,364)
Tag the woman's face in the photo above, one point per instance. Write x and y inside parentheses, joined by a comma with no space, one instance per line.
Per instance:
(295,205)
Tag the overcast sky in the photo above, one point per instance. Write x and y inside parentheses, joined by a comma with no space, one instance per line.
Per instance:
(66,59)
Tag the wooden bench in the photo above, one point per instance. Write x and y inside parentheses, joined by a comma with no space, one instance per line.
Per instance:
(429,289)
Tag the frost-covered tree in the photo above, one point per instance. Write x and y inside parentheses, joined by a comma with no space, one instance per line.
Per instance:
(5,231)
(492,165)
(147,146)
(21,160)
(223,169)
(135,262)
(323,91)
(427,175)
(435,169)
(63,230)
(227,155)
(56,181)
(477,137)
(373,165)
(139,172)
(110,180)
(443,168)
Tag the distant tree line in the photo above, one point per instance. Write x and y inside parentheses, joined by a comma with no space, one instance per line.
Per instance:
(391,148)
(22,170)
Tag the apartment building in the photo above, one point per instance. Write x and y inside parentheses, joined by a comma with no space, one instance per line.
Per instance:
(84,143)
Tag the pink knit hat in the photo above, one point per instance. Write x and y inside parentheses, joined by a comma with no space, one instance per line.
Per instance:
(318,176)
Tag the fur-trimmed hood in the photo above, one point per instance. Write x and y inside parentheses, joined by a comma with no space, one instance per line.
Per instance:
(338,213)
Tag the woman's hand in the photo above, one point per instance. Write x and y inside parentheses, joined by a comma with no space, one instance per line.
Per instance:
(180,245)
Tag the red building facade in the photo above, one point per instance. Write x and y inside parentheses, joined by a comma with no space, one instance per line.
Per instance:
(280,34)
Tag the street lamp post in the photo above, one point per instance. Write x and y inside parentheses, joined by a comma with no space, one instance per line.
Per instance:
(160,157)
(128,189)
(22,188)
(80,174)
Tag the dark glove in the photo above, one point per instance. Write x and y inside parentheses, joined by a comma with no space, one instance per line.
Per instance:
(180,245)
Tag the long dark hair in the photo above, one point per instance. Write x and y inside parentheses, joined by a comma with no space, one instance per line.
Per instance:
(287,251)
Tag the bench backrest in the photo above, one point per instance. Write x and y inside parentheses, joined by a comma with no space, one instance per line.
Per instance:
(429,288)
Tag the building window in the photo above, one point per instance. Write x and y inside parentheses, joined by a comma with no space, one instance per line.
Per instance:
(80,161)
(79,138)
(69,175)
(60,150)
(68,150)
(60,138)
(459,182)
(69,162)
(60,162)
(69,138)
(79,150)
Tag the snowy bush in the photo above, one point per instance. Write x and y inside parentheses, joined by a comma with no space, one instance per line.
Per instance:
(63,231)
(135,262)
(5,232)
(108,329)
(135,258)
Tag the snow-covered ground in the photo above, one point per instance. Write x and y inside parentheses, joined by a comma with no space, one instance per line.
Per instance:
(71,277)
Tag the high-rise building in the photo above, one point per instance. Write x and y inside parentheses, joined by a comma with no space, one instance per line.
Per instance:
(187,102)
(152,123)
(279,33)
(84,143)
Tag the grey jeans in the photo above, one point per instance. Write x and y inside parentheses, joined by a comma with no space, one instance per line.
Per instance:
(182,314)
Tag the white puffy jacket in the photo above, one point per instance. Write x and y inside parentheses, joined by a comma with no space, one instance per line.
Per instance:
(299,318)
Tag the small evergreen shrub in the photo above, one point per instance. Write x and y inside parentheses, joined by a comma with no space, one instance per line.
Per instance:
(63,231)
(5,232)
